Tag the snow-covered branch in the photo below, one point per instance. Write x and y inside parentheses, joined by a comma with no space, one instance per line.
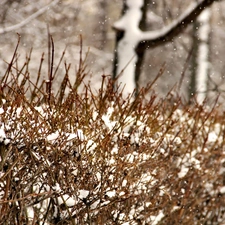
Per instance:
(167,33)
(155,38)
(28,19)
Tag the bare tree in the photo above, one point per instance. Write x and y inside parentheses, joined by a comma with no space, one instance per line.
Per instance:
(132,41)
(28,19)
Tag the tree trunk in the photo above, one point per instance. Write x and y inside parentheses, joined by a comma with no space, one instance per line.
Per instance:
(127,39)
(203,56)
(140,51)
(200,62)
(104,24)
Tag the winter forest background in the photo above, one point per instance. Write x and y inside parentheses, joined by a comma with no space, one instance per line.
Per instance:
(94,19)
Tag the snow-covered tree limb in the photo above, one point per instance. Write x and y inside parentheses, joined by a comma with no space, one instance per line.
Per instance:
(133,40)
(155,38)
(167,33)
(28,19)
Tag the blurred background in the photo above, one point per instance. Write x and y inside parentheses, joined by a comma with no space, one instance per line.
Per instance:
(93,20)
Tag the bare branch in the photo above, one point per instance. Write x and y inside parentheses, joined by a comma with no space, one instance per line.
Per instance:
(28,19)
(156,38)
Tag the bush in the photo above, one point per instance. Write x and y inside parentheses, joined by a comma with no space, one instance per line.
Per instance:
(79,157)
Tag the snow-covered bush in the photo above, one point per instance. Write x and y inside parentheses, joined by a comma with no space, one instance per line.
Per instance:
(80,156)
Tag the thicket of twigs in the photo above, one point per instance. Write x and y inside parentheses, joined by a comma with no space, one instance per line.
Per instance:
(79,157)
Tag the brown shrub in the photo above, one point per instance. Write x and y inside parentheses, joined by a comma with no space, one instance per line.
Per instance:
(76,157)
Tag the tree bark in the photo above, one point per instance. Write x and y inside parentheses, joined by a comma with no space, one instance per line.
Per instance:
(119,36)
(139,50)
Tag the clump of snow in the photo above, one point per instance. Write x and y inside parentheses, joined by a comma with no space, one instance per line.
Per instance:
(1,110)
(186,162)
(67,200)
(69,136)
(3,138)
(222,190)
(212,137)
(83,194)
(156,219)
(111,194)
